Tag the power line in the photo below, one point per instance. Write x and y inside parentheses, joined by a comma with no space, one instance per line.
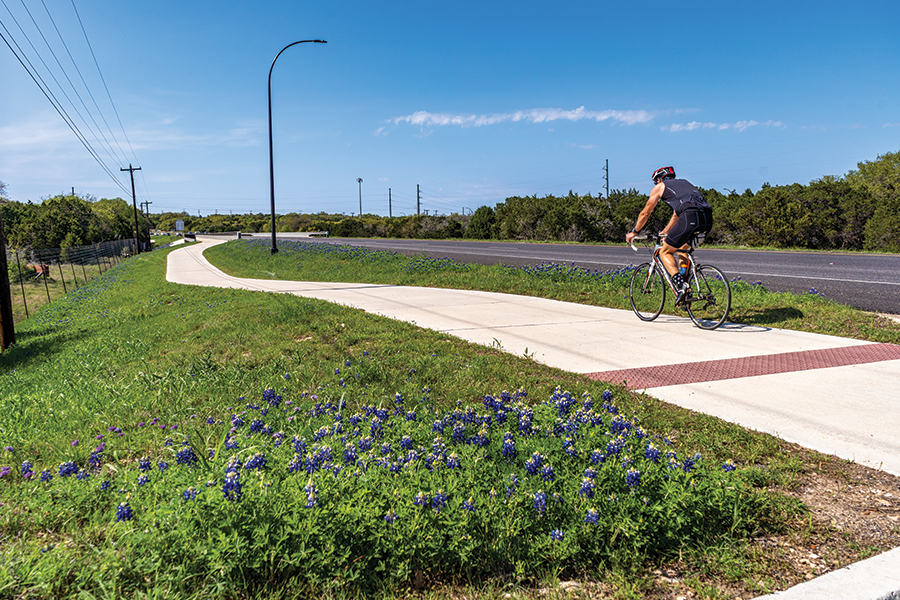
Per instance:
(110,142)
(29,68)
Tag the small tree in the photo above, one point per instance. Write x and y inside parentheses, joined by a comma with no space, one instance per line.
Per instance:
(481,224)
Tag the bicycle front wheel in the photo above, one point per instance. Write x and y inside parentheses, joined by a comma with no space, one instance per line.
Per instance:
(711,300)
(647,292)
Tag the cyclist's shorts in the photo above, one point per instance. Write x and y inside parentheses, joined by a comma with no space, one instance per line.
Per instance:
(689,221)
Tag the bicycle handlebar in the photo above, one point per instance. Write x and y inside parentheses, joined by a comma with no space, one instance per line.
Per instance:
(644,236)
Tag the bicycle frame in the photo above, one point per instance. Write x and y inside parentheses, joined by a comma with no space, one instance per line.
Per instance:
(708,301)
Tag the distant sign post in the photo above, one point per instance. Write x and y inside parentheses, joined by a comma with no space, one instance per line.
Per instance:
(179,225)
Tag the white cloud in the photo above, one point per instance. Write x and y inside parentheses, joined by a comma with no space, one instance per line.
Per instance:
(689,126)
(535,115)
(738,126)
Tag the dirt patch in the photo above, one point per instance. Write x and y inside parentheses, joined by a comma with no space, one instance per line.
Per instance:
(854,513)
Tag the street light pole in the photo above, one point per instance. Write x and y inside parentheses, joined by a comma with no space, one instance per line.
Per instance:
(271,159)
(359,181)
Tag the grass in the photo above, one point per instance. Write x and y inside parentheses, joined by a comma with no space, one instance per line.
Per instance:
(131,400)
(751,304)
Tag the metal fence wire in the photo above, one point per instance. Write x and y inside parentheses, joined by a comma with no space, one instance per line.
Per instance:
(39,276)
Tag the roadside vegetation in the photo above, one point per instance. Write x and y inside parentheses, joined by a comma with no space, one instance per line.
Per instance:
(752,304)
(175,441)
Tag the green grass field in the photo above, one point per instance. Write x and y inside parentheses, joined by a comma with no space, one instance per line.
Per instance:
(161,440)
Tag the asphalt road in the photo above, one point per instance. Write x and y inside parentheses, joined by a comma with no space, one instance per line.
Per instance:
(866,281)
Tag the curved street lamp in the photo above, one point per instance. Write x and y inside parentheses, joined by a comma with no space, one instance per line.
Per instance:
(359,181)
(271,160)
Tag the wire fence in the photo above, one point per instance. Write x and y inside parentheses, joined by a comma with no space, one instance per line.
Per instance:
(39,276)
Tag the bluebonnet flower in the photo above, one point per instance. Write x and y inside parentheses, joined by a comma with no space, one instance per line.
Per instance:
(311,494)
(299,445)
(569,447)
(590,472)
(257,425)
(411,416)
(469,505)
(67,469)
(592,516)
(453,461)
(210,421)
(540,502)
(547,473)
(597,457)
(143,479)
(365,444)
(513,485)
(728,466)
(391,516)
(689,463)
(349,454)
(406,443)
(459,433)
(652,453)
(439,501)
(231,443)
(104,485)
(296,464)
(231,488)
(376,429)
(509,447)
(233,465)
(421,499)
(587,488)
(385,448)
(257,462)
(189,494)
(144,464)
(27,470)
(633,478)
(186,456)
(46,476)
(82,475)
(556,535)
(124,512)
(533,464)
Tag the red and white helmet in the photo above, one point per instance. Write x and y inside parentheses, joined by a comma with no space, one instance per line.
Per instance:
(663,173)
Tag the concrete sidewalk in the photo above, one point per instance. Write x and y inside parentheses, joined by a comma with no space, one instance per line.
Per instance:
(835,395)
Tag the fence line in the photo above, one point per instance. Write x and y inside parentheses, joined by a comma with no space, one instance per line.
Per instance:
(41,273)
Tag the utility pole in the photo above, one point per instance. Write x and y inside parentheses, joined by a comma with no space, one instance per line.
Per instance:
(418,201)
(7,329)
(137,229)
(389,203)
(146,207)
(606,177)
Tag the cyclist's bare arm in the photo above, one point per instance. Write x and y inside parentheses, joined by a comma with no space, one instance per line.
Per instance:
(655,194)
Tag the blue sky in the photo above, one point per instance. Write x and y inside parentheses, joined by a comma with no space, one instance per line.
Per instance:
(473,101)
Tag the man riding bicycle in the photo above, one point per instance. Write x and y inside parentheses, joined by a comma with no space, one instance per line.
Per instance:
(691,214)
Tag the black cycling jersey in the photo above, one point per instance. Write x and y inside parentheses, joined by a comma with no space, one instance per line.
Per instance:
(681,194)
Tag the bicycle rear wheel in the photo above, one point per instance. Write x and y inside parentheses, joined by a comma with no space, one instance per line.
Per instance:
(711,300)
(647,292)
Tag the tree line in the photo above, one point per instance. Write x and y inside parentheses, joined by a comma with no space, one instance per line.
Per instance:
(859,211)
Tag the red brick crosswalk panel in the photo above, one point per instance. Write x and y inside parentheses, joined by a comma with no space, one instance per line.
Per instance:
(751,366)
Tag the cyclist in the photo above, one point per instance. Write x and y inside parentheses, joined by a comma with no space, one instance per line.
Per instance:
(691,213)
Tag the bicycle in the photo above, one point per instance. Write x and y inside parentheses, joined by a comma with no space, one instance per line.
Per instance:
(708,301)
